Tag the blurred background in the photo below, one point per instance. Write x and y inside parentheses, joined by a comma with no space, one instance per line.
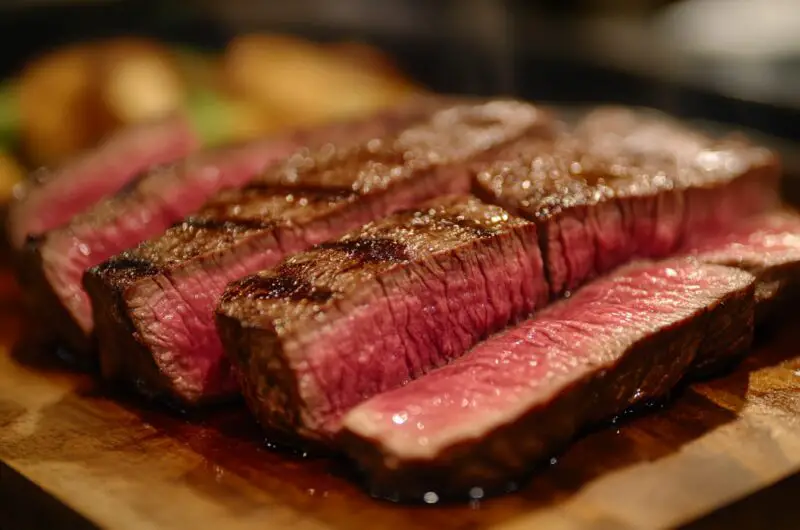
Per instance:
(73,71)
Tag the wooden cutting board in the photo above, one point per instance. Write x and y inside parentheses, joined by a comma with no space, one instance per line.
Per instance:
(72,456)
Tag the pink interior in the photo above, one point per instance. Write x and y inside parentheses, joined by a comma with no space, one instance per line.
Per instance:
(765,240)
(84,242)
(419,325)
(583,243)
(503,376)
(175,317)
(100,173)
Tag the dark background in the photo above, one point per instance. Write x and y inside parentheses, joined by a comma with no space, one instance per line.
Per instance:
(565,51)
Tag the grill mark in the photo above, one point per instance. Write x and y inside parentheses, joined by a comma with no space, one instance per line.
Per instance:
(275,287)
(128,264)
(310,192)
(370,250)
(228,224)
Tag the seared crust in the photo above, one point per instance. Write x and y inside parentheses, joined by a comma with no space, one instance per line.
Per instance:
(314,195)
(332,177)
(541,179)
(274,324)
(335,269)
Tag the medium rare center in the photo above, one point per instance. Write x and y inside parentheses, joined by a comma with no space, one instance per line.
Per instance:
(638,189)
(334,325)
(153,305)
(515,399)
(55,261)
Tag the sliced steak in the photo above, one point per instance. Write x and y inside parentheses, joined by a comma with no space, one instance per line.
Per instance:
(385,304)
(768,246)
(50,198)
(153,305)
(604,198)
(55,261)
(477,424)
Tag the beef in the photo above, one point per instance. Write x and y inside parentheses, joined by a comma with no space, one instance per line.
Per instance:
(55,261)
(768,246)
(351,318)
(478,424)
(635,189)
(153,305)
(50,198)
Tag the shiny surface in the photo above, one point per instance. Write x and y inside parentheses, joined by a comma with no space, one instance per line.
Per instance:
(616,152)
(510,374)
(349,318)
(124,466)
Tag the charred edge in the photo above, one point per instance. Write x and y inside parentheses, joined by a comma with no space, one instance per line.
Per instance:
(275,287)
(127,264)
(227,224)
(370,250)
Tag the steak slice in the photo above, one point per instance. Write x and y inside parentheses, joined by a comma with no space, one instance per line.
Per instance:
(601,199)
(153,305)
(768,246)
(56,260)
(348,319)
(479,423)
(50,198)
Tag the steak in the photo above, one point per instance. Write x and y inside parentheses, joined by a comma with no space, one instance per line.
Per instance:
(55,261)
(602,197)
(153,305)
(768,246)
(50,198)
(474,426)
(351,318)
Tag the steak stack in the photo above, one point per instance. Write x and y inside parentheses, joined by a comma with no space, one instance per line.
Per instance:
(594,207)
(388,302)
(448,292)
(153,305)
(54,262)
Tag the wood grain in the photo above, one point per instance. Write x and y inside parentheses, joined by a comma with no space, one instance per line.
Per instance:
(73,454)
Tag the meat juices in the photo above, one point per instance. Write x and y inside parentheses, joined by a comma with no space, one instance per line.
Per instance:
(516,398)
(385,304)
(153,305)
